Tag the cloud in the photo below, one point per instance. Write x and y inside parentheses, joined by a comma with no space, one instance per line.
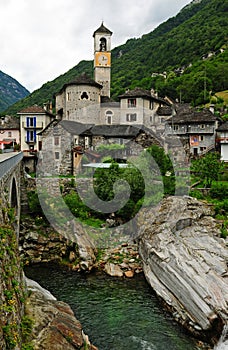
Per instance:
(42,39)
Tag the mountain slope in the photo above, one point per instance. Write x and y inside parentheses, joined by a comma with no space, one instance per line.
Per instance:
(10,91)
(176,45)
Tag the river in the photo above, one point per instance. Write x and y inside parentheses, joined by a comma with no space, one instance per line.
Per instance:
(116,313)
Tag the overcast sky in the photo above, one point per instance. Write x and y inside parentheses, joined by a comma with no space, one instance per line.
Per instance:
(41,39)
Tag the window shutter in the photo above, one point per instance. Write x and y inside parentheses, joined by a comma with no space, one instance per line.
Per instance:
(34,135)
(27,122)
(34,119)
(27,139)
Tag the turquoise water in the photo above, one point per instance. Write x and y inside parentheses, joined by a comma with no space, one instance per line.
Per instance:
(117,314)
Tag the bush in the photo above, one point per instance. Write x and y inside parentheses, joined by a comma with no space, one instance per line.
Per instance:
(196,194)
(221,207)
(219,191)
(34,203)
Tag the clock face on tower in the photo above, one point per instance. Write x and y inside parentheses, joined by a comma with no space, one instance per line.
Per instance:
(103,59)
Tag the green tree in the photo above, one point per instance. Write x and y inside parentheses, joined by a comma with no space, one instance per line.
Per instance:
(166,168)
(208,168)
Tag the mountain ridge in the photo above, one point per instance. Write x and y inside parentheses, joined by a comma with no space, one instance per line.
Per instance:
(10,91)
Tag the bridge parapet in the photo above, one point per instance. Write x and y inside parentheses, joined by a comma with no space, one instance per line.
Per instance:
(10,184)
(8,161)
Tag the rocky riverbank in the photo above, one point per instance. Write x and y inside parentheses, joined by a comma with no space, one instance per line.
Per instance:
(39,243)
(54,323)
(185,262)
(179,250)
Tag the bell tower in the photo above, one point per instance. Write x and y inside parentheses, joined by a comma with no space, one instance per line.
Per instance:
(102,58)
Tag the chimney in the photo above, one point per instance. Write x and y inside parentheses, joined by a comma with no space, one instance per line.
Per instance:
(212,108)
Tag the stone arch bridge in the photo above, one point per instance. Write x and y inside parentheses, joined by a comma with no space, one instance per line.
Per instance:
(10,185)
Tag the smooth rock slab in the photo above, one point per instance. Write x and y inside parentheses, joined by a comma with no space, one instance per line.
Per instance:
(185,262)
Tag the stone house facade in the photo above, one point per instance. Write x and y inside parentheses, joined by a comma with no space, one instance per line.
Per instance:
(59,140)
(64,142)
(196,128)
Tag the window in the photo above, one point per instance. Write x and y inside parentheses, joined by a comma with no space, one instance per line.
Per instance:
(68,96)
(84,96)
(31,136)
(202,126)
(31,121)
(131,102)
(175,127)
(131,117)
(201,138)
(151,104)
(202,149)
(57,155)
(9,134)
(56,141)
(109,117)
(103,44)
(76,140)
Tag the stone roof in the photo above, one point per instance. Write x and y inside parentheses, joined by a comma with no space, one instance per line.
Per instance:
(146,94)
(102,29)
(82,79)
(119,130)
(75,128)
(9,123)
(137,92)
(193,116)
(164,111)
(223,127)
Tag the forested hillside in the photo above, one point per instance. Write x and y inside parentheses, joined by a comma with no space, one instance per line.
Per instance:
(185,58)
(10,91)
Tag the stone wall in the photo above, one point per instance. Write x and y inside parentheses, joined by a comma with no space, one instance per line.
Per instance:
(11,275)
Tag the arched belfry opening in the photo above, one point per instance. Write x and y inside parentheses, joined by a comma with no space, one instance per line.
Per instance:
(103,44)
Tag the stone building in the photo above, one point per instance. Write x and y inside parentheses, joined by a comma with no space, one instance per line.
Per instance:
(65,142)
(86,100)
(87,117)
(196,129)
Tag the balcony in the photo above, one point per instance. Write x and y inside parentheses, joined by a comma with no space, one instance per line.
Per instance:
(30,141)
(38,126)
(198,130)
(188,130)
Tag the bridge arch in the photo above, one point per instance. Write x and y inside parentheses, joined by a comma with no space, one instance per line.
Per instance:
(13,200)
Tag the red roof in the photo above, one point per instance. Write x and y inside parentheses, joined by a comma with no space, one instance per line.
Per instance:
(6,142)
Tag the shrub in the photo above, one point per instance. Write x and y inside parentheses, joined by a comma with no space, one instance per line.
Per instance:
(219,191)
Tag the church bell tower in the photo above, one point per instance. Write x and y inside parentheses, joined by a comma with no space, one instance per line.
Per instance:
(102,58)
